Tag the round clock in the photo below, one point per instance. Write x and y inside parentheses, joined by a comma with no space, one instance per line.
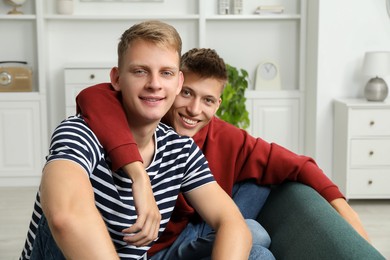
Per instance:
(267,76)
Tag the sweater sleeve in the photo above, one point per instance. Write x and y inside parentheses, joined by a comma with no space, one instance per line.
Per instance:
(275,164)
(102,109)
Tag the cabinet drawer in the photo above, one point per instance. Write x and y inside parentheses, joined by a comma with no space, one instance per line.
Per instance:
(87,76)
(366,183)
(71,93)
(369,122)
(370,152)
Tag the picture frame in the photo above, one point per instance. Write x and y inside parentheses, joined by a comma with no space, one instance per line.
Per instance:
(138,1)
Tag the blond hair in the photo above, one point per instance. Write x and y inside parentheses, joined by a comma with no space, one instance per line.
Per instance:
(153,31)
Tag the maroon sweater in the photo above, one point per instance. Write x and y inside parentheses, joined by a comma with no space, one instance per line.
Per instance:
(232,153)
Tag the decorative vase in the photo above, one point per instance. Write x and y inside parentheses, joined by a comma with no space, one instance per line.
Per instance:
(376,89)
(65,6)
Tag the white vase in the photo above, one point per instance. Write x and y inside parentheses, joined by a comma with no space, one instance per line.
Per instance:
(65,6)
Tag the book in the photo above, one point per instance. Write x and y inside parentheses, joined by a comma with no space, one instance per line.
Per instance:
(267,9)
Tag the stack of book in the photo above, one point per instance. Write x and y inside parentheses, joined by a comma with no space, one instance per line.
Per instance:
(269,9)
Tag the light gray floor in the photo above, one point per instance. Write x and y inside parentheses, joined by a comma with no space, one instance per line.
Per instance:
(16,209)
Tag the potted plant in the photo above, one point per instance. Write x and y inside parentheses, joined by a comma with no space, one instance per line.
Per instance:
(232,108)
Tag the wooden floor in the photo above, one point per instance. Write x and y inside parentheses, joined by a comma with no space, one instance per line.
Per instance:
(16,209)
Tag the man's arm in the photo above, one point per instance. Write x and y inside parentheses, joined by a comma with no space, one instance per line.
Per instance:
(68,203)
(304,169)
(102,109)
(350,215)
(145,229)
(272,164)
(233,238)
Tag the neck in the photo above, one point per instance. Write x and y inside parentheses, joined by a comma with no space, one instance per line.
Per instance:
(143,136)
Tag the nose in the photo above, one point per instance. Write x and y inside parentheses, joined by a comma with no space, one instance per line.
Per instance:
(154,81)
(194,108)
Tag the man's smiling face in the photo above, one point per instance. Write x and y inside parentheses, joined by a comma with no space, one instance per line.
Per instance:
(195,105)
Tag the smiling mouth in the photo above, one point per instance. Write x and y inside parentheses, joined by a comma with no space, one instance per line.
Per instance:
(152,99)
(189,121)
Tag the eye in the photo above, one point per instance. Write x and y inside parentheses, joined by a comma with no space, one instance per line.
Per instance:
(185,93)
(139,72)
(209,101)
(167,73)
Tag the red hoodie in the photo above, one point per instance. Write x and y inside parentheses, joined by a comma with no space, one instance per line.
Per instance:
(232,153)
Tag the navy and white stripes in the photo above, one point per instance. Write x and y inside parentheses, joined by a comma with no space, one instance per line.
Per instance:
(178,166)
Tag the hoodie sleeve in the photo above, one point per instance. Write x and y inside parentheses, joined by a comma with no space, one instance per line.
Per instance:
(101,107)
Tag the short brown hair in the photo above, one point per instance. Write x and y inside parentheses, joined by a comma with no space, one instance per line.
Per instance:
(205,63)
(153,31)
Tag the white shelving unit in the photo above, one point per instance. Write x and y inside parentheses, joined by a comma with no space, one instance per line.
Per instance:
(23,115)
(49,42)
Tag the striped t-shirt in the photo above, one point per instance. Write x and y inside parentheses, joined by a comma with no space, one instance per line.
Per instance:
(178,165)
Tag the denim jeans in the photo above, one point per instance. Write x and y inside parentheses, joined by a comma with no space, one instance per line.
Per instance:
(196,240)
(44,245)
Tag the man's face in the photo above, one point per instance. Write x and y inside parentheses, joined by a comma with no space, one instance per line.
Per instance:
(149,79)
(196,104)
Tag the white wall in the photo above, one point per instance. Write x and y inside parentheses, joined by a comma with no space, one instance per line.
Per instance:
(346,30)
(340,32)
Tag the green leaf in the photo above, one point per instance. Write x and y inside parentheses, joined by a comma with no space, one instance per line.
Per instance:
(233,108)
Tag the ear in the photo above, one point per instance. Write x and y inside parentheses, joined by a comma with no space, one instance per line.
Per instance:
(114,76)
(220,95)
(219,103)
(181,81)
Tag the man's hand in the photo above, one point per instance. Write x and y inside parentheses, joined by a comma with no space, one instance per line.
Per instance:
(145,230)
(345,210)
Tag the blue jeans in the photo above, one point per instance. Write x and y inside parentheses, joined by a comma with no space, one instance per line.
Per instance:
(196,240)
(44,245)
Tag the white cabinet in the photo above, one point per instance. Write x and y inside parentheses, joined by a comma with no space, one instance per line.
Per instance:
(21,135)
(275,118)
(78,77)
(362,148)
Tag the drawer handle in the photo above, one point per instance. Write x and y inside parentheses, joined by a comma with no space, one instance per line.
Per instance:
(92,76)
(371,153)
(372,123)
(369,182)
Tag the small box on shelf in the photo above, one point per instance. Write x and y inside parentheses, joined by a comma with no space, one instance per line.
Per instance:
(269,9)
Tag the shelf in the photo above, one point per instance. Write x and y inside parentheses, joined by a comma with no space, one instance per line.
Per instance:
(88,17)
(255,17)
(20,96)
(270,94)
(18,17)
(171,17)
